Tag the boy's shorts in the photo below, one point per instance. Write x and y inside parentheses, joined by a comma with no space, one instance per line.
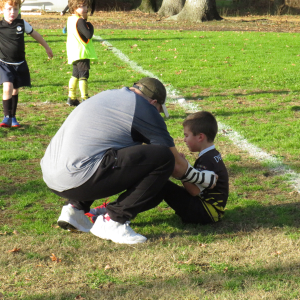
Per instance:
(18,75)
(81,68)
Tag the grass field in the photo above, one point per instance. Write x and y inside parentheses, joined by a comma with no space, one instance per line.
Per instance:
(250,82)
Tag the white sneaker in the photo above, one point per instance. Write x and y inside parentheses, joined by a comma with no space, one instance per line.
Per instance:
(106,228)
(72,219)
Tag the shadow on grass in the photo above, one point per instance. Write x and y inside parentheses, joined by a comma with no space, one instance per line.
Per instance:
(236,220)
(230,93)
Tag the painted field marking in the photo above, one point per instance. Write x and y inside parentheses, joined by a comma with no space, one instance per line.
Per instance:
(275,164)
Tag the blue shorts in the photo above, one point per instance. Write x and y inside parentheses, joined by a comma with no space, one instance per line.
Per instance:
(18,75)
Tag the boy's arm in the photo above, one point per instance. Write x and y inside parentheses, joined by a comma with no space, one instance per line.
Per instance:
(186,173)
(40,40)
(85,29)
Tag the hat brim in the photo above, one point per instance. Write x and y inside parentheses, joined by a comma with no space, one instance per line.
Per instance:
(165,111)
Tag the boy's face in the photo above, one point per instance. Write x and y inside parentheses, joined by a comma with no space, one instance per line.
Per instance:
(82,10)
(10,12)
(192,141)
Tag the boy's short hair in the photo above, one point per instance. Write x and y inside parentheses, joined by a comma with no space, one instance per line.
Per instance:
(202,122)
(74,4)
(10,2)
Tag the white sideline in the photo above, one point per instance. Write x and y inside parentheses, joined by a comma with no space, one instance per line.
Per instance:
(275,164)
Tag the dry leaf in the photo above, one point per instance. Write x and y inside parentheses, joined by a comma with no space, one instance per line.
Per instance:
(15,232)
(185,262)
(54,258)
(202,245)
(226,270)
(79,298)
(15,250)
(107,267)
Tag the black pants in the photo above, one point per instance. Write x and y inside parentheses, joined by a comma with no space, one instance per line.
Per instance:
(189,208)
(140,172)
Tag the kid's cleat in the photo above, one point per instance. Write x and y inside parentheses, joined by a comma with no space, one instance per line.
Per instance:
(6,122)
(73,102)
(14,122)
(64,31)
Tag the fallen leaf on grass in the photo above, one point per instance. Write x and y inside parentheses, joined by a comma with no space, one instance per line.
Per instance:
(107,267)
(14,250)
(185,262)
(79,298)
(225,270)
(15,232)
(202,245)
(54,258)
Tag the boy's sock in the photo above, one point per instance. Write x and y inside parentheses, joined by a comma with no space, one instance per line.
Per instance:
(15,99)
(72,87)
(83,86)
(7,107)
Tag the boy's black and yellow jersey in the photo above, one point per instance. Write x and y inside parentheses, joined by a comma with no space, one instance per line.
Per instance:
(214,200)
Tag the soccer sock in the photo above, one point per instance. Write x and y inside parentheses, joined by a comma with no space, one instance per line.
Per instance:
(7,106)
(83,86)
(15,99)
(72,87)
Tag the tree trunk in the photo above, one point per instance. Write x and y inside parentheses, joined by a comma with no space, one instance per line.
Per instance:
(148,6)
(171,8)
(198,11)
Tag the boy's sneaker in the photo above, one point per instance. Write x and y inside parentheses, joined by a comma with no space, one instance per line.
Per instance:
(14,122)
(64,30)
(106,228)
(73,102)
(6,122)
(94,213)
(72,218)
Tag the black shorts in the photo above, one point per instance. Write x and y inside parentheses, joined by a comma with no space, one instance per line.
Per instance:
(18,75)
(81,68)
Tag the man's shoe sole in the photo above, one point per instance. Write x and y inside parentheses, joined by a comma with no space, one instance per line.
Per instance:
(66,226)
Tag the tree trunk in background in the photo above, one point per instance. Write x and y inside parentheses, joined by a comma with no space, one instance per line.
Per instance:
(198,11)
(148,6)
(170,7)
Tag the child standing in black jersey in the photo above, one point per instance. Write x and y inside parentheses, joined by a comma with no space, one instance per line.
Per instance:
(14,72)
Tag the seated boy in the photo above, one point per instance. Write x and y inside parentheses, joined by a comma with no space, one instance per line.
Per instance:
(193,202)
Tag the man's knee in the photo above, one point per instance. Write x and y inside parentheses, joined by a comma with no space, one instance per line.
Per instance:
(166,157)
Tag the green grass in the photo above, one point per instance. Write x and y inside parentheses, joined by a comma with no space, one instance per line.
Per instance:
(250,81)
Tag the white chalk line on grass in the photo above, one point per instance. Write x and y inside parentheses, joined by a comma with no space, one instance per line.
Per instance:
(275,164)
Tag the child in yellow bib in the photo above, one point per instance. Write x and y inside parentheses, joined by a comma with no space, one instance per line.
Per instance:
(80,49)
